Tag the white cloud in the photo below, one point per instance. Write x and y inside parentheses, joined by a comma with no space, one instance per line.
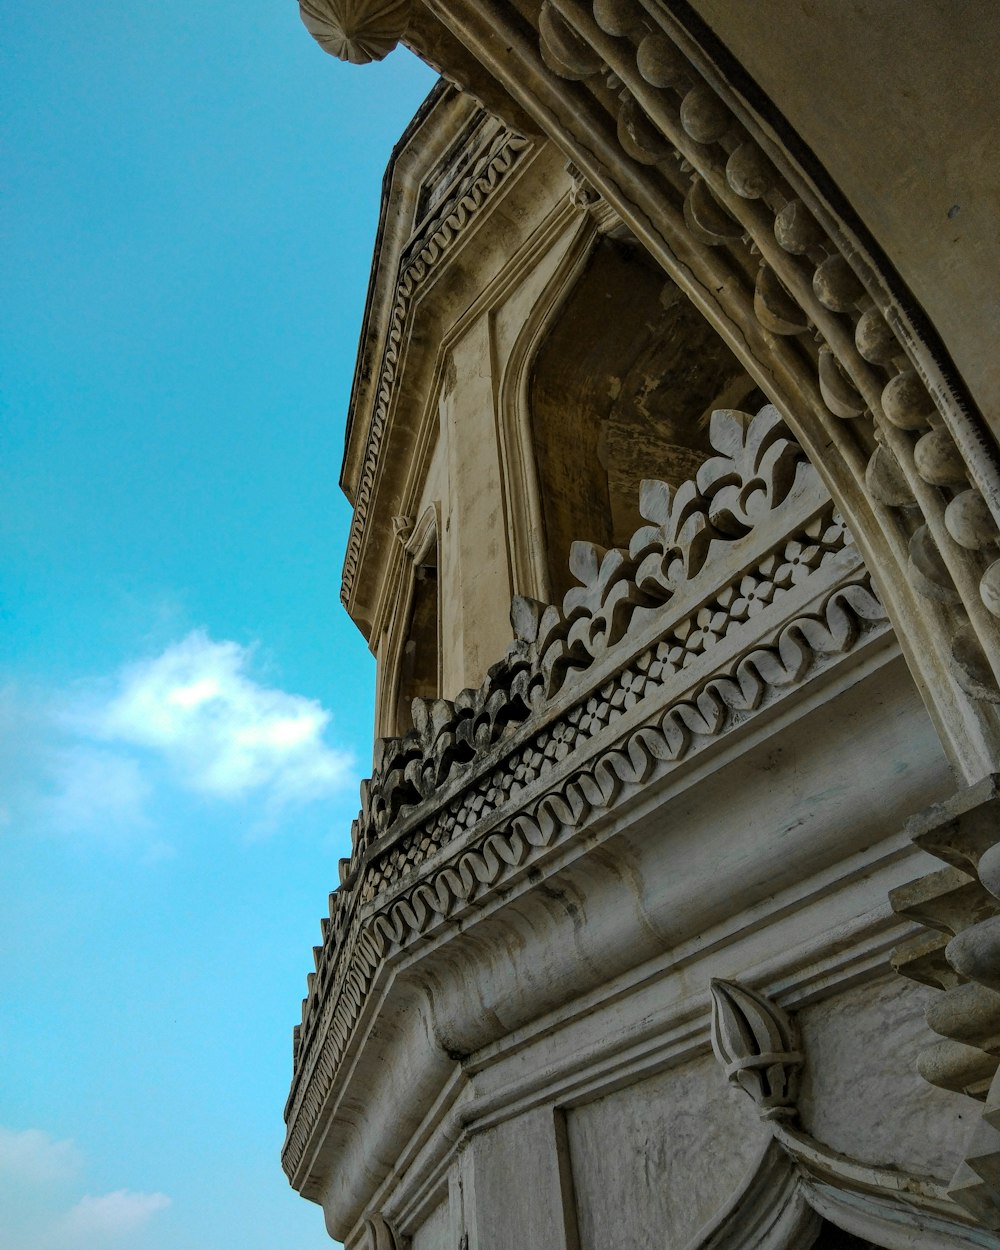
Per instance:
(97,1221)
(99,760)
(95,790)
(40,1178)
(221,732)
(32,1157)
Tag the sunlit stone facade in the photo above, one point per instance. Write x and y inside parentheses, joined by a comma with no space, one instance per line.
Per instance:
(672,915)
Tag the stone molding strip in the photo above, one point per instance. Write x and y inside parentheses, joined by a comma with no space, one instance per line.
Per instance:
(756,519)
(644,754)
(848,614)
(757,506)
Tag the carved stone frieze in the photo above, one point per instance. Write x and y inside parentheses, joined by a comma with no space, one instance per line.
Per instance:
(692,170)
(674,562)
(749,583)
(354,948)
(807,283)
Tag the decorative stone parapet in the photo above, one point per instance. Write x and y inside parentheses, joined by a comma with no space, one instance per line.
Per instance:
(636,94)
(743,584)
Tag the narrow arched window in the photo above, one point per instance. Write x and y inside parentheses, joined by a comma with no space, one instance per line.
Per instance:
(417,641)
(622,389)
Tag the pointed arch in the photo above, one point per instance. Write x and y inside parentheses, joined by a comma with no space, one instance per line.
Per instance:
(702,169)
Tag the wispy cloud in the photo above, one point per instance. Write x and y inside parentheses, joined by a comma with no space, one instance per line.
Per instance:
(107,1218)
(93,788)
(39,1209)
(32,1157)
(221,732)
(96,760)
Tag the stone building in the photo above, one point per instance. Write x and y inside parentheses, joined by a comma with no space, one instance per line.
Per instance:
(671,918)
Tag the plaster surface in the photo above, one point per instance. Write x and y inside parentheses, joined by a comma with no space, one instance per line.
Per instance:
(861,1093)
(435,1231)
(655,1161)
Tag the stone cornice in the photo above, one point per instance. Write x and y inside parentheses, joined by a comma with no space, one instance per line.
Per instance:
(434,239)
(380,927)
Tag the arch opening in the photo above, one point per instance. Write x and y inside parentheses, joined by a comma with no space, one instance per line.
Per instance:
(621,389)
(418,664)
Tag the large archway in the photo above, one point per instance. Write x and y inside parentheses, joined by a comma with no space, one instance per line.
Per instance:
(709,177)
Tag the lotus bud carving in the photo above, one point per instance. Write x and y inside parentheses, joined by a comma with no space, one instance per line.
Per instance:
(379,1234)
(757,1044)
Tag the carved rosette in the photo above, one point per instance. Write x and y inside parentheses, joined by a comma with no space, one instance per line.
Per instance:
(757,1044)
(358,31)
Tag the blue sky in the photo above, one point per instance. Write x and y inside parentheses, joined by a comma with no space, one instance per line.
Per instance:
(185,711)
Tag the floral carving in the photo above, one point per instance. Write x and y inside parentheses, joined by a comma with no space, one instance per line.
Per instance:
(530,755)
(574,789)
(757,466)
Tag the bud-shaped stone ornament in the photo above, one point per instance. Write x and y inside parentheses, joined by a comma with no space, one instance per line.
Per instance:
(562,48)
(704,116)
(379,1234)
(886,481)
(749,172)
(906,403)
(938,460)
(874,338)
(618,17)
(796,229)
(757,1044)
(989,588)
(836,285)
(661,63)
